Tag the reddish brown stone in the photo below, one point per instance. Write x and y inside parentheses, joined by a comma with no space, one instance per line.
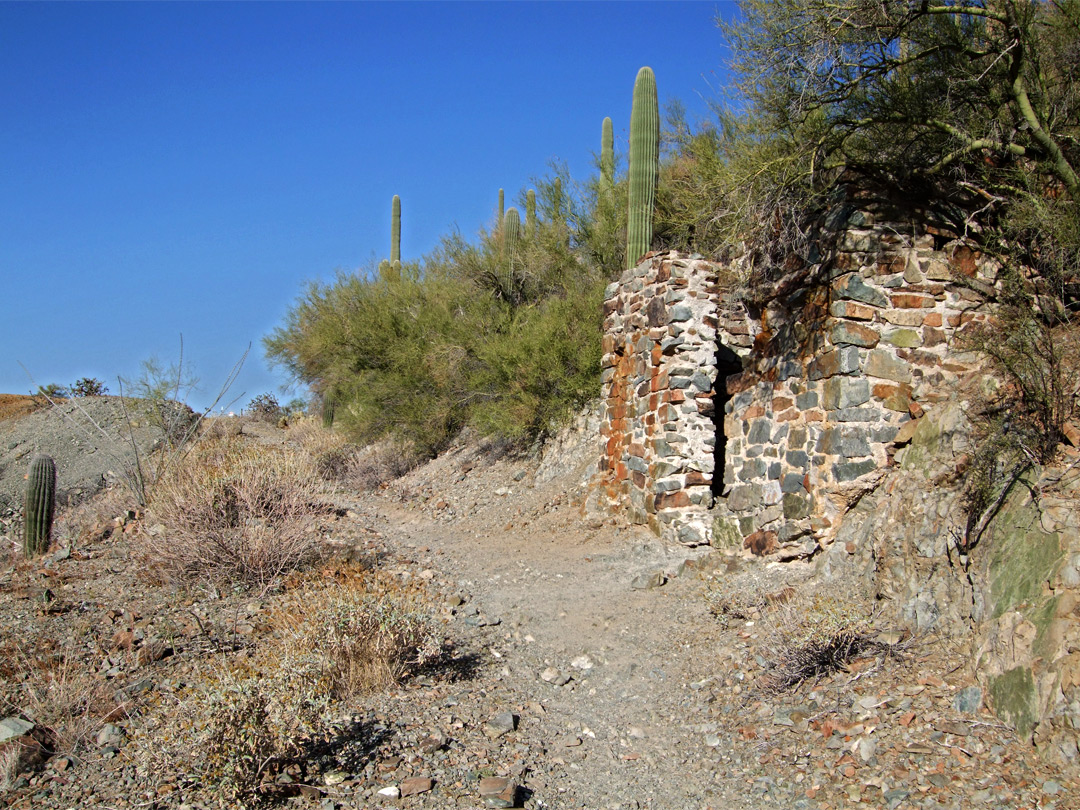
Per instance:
(915,409)
(782,403)
(854,334)
(672,500)
(912,301)
(813,416)
(737,383)
(663,273)
(932,337)
(696,478)
(761,543)
(883,391)
(932,319)
(636,450)
(638,479)
(753,412)
(892,264)
(853,310)
(964,260)
(788,416)
(899,400)
(676,395)
(952,320)
(845,261)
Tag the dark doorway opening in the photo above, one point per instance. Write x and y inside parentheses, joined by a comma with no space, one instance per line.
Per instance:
(727,364)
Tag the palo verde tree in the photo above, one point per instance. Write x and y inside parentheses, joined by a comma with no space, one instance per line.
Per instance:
(966,95)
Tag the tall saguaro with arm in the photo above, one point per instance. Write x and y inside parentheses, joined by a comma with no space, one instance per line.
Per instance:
(644,165)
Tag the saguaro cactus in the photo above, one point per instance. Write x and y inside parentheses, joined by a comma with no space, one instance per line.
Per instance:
(511,231)
(644,165)
(40,505)
(395,230)
(607,158)
(329,405)
(530,214)
(502,205)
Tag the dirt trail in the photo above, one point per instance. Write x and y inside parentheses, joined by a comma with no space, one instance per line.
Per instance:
(629,729)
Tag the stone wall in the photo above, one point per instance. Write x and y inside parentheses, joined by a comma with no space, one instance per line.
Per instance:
(820,378)
(659,367)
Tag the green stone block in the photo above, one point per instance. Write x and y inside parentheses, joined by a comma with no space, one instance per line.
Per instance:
(796,507)
(904,338)
(1015,700)
(726,533)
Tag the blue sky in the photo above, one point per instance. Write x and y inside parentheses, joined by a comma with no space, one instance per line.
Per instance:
(184,168)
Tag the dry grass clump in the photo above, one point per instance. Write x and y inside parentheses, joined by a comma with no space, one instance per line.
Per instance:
(359,640)
(337,460)
(243,725)
(813,634)
(235,513)
(804,634)
(95,520)
(46,683)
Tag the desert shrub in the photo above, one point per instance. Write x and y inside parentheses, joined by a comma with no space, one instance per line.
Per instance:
(380,463)
(1032,348)
(543,367)
(47,683)
(251,726)
(356,640)
(339,461)
(266,407)
(239,726)
(96,519)
(53,391)
(236,514)
(811,634)
(804,633)
(470,336)
(88,387)
(158,395)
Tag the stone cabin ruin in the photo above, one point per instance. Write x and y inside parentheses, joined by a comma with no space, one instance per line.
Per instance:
(822,416)
(758,419)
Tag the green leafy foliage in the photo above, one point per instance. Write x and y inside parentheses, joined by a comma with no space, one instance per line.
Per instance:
(53,391)
(468,336)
